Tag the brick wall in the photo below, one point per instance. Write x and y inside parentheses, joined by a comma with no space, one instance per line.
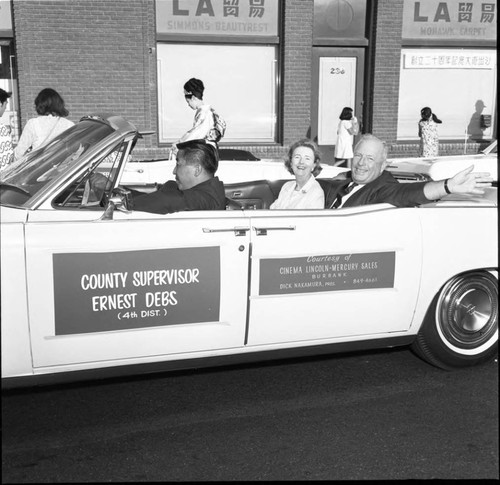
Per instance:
(297,69)
(411,150)
(388,31)
(99,55)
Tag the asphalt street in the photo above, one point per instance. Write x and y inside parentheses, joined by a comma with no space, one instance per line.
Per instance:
(373,415)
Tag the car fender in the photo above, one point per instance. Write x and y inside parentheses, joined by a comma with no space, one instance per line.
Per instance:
(468,228)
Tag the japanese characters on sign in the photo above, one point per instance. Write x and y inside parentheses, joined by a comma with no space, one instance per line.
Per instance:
(332,272)
(455,61)
(98,292)
(217,17)
(452,20)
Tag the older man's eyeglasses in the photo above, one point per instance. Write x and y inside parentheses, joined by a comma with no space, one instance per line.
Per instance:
(188,96)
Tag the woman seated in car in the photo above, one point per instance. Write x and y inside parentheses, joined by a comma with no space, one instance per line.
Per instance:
(304,192)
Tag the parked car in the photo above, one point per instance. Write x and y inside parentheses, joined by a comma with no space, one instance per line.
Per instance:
(89,290)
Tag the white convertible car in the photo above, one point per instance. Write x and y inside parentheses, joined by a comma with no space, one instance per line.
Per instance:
(90,290)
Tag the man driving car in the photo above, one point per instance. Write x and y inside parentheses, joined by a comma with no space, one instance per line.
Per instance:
(195,187)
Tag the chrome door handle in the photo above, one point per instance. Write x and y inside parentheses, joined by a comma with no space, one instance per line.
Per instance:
(262,231)
(238,231)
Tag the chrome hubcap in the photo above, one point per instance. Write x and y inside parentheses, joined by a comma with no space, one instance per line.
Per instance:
(473,310)
(467,310)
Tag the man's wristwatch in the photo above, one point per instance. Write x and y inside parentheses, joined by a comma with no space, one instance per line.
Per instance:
(446,189)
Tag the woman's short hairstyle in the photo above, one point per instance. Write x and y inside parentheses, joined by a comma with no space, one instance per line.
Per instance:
(50,102)
(304,142)
(346,114)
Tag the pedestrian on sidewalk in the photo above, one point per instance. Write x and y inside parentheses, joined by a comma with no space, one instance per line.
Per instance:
(428,133)
(347,128)
(50,122)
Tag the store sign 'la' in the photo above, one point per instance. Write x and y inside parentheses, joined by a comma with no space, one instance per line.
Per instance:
(441,12)
(203,7)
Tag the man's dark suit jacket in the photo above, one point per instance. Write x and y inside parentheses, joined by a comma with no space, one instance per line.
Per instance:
(384,188)
(208,195)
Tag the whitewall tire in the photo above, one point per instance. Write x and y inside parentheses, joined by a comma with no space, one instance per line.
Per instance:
(461,325)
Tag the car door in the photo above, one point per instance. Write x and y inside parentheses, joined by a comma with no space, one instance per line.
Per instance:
(140,287)
(326,274)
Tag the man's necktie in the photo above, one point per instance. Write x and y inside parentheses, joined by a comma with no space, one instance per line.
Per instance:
(346,189)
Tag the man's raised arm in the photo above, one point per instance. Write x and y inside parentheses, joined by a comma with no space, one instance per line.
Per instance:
(464,182)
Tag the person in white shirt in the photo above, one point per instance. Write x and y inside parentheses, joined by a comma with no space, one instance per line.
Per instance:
(304,192)
(50,122)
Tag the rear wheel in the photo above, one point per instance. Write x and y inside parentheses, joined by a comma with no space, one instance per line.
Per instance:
(461,325)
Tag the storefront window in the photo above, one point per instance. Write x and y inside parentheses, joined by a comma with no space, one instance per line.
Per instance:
(240,84)
(232,46)
(459,85)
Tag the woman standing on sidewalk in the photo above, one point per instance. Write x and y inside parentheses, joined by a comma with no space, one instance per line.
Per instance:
(427,131)
(347,128)
(50,122)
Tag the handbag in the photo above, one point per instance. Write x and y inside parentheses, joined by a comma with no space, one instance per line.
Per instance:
(219,128)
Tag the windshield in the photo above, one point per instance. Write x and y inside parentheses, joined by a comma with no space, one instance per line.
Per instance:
(24,178)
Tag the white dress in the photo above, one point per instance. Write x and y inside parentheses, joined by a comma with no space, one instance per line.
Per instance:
(343,148)
(311,196)
(429,139)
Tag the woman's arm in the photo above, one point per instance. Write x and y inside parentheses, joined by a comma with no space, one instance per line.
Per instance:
(354,129)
